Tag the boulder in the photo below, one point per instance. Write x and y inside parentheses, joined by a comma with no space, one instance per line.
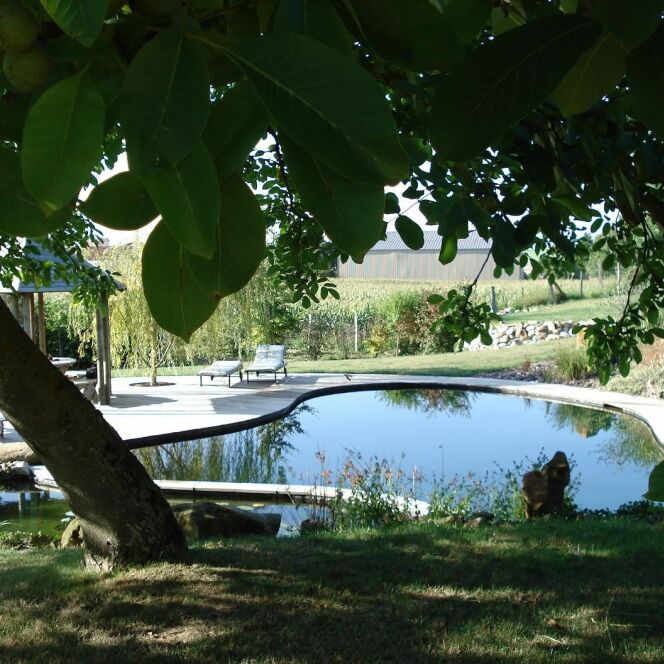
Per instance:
(15,471)
(72,536)
(544,490)
(203,520)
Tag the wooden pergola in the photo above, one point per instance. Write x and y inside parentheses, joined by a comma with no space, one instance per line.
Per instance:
(29,311)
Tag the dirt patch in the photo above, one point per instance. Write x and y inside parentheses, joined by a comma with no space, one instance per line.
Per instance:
(159,384)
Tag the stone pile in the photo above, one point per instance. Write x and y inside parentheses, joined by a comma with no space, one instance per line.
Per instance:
(531,332)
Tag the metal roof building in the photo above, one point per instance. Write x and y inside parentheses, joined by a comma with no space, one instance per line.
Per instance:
(392,259)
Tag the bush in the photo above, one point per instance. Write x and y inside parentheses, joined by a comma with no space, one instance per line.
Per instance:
(571,364)
(498,492)
(20,540)
(378,495)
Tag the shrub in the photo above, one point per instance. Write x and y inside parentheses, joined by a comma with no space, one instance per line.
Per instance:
(18,539)
(498,492)
(378,495)
(571,364)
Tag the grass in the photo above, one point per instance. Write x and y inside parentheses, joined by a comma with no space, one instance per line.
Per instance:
(576,310)
(587,591)
(444,364)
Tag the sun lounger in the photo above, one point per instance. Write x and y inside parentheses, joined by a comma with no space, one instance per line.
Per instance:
(221,368)
(269,359)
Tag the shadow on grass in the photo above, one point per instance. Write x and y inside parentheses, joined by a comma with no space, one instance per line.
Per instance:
(423,594)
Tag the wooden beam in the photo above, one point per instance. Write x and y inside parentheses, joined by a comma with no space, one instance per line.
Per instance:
(31,318)
(41,322)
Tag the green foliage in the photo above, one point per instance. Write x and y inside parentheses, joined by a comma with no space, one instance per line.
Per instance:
(20,540)
(62,141)
(498,492)
(571,364)
(515,117)
(485,95)
(376,495)
(121,202)
(656,484)
(167,292)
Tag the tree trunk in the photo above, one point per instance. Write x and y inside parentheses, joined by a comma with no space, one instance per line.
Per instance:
(154,351)
(126,520)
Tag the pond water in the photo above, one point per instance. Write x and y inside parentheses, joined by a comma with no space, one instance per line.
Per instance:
(431,436)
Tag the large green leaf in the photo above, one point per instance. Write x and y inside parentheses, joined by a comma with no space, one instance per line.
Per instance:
(323,100)
(410,33)
(507,17)
(656,484)
(21,216)
(176,301)
(448,249)
(503,80)
(316,18)
(630,22)
(187,197)
(645,70)
(80,19)
(19,213)
(236,124)
(410,232)
(62,140)
(467,17)
(350,212)
(10,168)
(596,73)
(166,102)
(121,202)
(240,241)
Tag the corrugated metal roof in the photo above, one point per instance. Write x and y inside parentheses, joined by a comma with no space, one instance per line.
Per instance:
(55,286)
(432,241)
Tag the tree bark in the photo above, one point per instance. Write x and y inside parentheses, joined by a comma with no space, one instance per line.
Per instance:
(154,350)
(126,520)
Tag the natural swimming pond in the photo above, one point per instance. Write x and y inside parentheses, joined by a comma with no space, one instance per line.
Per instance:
(430,435)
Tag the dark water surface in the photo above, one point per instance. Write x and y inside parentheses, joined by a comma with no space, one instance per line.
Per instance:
(429,434)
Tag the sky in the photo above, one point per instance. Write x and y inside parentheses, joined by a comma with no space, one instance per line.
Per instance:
(123,237)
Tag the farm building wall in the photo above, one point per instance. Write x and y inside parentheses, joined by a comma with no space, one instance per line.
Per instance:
(421,266)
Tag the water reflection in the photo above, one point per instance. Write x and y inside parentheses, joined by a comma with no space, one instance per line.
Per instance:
(255,455)
(629,442)
(33,511)
(430,401)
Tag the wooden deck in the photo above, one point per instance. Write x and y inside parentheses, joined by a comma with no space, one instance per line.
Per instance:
(184,410)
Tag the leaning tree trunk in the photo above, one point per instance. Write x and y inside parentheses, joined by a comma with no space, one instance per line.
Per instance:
(125,518)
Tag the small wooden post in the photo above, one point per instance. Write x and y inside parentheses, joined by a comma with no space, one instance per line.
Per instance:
(103,353)
(494,300)
(581,284)
(32,328)
(41,322)
(355,326)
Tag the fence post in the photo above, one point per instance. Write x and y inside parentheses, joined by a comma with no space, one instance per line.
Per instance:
(581,284)
(355,328)
(494,300)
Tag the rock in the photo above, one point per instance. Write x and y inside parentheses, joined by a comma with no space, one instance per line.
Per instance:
(17,452)
(201,520)
(72,536)
(15,471)
(544,490)
(448,520)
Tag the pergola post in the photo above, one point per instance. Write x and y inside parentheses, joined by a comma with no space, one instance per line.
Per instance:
(41,322)
(103,352)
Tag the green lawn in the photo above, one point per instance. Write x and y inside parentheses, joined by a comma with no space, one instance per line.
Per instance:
(535,592)
(576,310)
(445,364)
